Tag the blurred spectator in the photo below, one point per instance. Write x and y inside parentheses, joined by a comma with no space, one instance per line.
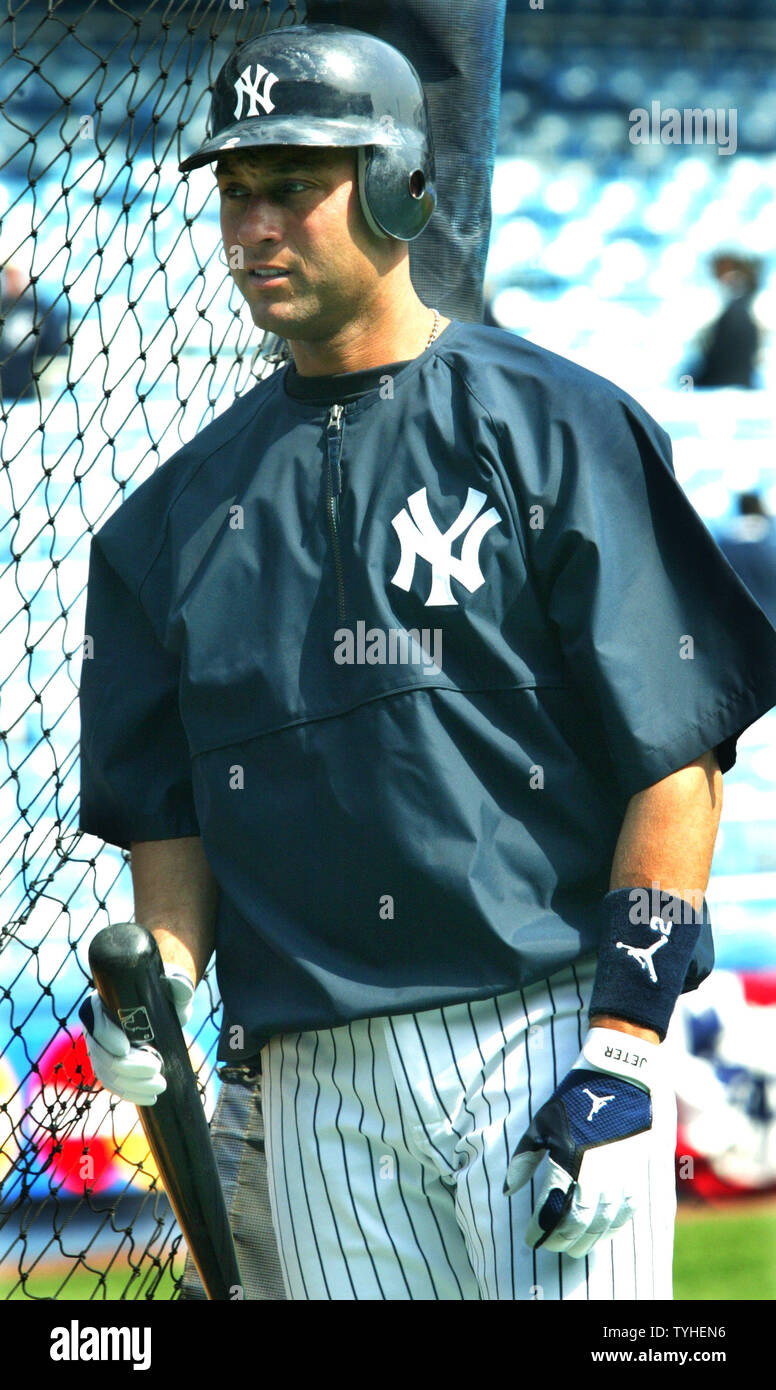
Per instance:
(32,332)
(729,345)
(749,543)
(722,1054)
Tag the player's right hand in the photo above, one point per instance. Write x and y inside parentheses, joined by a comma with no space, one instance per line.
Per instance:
(132,1073)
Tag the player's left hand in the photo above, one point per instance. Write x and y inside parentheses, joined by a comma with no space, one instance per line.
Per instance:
(593,1136)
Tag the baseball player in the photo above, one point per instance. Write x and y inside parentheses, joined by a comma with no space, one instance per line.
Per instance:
(414,679)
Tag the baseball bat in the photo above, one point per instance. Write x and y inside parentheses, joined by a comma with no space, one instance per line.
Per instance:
(128,975)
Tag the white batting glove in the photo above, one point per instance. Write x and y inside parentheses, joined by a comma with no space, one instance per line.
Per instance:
(181,990)
(132,1073)
(592,1140)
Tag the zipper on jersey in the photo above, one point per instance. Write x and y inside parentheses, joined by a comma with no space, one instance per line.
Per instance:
(333,491)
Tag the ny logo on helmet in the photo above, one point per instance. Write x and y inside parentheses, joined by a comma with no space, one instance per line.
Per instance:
(420,535)
(244,87)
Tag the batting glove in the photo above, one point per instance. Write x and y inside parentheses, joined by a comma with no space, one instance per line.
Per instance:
(593,1136)
(132,1073)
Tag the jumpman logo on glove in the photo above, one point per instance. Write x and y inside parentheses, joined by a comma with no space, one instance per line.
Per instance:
(598,1102)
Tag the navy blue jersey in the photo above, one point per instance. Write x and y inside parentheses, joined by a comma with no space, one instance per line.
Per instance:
(401,663)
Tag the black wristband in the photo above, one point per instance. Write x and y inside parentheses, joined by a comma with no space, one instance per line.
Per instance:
(647,942)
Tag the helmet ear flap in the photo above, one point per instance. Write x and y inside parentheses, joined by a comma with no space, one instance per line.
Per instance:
(365,157)
(396,197)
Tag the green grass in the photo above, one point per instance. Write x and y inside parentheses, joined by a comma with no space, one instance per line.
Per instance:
(84,1285)
(728,1253)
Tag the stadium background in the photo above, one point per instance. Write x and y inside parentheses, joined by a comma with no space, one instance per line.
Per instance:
(599,250)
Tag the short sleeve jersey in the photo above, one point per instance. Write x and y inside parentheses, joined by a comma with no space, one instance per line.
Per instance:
(401,656)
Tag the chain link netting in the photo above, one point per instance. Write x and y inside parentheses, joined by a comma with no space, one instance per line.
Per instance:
(122,336)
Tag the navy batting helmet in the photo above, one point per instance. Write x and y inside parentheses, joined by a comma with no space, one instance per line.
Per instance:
(323,84)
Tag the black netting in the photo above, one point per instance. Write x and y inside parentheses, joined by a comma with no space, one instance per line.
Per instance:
(110,359)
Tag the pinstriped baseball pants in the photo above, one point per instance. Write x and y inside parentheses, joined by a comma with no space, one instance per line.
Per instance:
(387,1144)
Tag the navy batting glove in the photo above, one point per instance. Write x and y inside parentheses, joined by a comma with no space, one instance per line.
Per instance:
(591,1137)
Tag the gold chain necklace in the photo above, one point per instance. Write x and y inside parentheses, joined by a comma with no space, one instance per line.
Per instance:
(434,330)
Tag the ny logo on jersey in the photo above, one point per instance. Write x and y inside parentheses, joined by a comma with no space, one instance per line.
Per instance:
(643,954)
(420,535)
(250,89)
(598,1102)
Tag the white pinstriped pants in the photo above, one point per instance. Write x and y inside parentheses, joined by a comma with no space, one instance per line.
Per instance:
(387,1142)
